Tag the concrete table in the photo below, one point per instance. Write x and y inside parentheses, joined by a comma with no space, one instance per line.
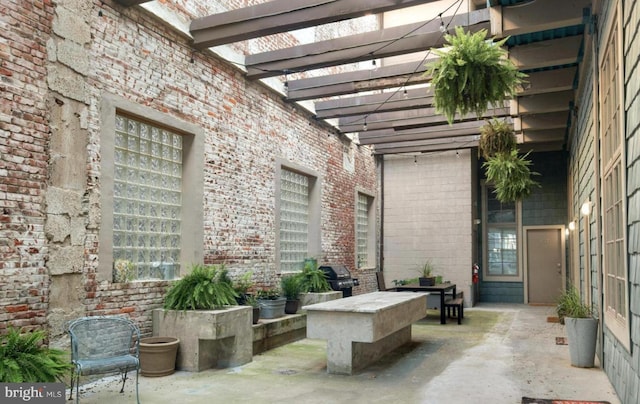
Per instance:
(361,329)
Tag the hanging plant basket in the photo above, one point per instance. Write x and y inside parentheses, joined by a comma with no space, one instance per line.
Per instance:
(510,175)
(472,75)
(496,136)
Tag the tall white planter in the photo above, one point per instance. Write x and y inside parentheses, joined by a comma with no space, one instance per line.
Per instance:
(582,335)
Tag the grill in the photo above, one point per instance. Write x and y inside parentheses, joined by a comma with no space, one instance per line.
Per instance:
(339,278)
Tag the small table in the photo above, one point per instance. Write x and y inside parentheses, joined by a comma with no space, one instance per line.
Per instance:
(441,288)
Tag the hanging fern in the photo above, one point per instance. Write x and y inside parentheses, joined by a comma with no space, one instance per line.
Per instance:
(24,359)
(472,75)
(496,136)
(511,176)
(205,288)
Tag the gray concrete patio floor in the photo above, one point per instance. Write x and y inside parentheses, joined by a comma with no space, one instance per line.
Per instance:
(498,355)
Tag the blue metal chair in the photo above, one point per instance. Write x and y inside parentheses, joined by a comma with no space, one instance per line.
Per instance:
(104,344)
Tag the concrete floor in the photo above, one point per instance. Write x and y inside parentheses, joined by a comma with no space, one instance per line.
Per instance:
(498,355)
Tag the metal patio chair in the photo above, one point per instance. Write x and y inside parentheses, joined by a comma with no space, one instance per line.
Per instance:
(103,344)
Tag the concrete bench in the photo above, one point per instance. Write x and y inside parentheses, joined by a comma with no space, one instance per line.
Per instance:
(361,329)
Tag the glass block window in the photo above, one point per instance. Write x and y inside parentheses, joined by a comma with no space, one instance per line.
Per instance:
(362,229)
(147,200)
(294,220)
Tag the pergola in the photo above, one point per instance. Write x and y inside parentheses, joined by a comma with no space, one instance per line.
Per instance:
(386,106)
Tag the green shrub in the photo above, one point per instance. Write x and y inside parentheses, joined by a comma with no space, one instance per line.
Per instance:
(205,288)
(23,359)
(290,285)
(570,305)
(313,279)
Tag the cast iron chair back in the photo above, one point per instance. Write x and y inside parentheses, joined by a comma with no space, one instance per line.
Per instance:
(104,344)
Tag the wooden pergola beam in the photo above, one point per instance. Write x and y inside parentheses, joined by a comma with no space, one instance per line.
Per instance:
(429,132)
(543,103)
(385,102)
(279,16)
(548,81)
(356,48)
(430,145)
(415,118)
(553,52)
(409,73)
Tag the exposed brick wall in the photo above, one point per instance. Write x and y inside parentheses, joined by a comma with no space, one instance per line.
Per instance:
(24,133)
(134,55)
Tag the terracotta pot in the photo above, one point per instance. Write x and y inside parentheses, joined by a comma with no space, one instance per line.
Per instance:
(158,356)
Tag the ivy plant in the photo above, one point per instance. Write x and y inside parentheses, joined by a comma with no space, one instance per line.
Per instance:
(472,74)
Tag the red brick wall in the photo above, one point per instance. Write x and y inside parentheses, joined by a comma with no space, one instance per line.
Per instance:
(247,127)
(24,133)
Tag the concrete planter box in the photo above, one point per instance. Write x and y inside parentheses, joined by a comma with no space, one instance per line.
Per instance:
(307,299)
(208,338)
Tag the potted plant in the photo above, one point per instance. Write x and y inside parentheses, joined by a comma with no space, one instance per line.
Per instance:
(581,327)
(202,306)
(24,359)
(472,74)
(314,287)
(426,274)
(242,287)
(251,300)
(496,136)
(290,286)
(510,175)
(271,303)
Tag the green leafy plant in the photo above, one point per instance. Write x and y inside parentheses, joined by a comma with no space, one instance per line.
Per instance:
(496,136)
(268,294)
(205,288)
(251,300)
(313,279)
(570,305)
(400,282)
(510,175)
(24,359)
(472,74)
(290,286)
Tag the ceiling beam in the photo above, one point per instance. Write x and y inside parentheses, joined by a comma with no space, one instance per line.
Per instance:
(551,120)
(557,52)
(429,132)
(542,103)
(385,102)
(356,48)
(408,119)
(431,145)
(358,81)
(539,15)
(279,16)
(548,81)
(545,135)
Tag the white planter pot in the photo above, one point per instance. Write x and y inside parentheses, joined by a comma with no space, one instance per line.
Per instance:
(582,335)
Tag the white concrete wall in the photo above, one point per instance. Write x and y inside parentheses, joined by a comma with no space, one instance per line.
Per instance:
(428,215)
